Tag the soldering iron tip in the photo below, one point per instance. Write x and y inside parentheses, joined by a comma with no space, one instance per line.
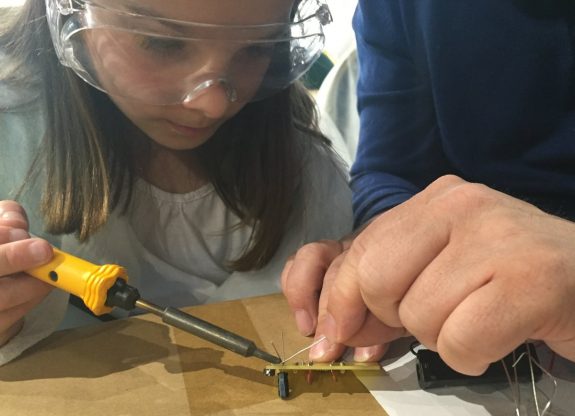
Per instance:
(266,357)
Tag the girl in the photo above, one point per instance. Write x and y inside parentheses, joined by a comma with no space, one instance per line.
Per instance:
(167,136)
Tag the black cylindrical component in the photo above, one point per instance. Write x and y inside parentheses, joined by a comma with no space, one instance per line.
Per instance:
(283,385)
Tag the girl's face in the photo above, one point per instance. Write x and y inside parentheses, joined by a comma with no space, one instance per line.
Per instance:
(131,60)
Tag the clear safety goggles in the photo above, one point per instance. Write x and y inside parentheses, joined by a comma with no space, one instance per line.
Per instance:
(162,61)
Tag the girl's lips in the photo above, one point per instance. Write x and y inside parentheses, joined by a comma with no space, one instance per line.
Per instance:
(188,131)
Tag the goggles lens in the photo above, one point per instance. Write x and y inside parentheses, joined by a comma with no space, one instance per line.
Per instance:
(162,62)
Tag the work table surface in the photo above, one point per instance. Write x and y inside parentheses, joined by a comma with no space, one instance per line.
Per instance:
(139,366)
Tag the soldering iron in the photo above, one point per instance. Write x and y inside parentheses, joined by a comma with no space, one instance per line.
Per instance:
(104,287)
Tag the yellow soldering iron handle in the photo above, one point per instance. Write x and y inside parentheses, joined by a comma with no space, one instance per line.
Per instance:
(90,282)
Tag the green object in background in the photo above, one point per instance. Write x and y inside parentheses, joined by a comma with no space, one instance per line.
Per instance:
(317,73)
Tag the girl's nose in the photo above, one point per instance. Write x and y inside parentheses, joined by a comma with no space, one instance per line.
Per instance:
(213,100)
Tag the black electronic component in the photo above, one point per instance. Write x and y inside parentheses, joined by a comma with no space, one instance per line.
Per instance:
(432,372)
(283,385)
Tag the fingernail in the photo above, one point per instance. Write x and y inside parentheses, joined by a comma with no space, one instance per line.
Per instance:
(318,351)
(323,350)
(12,215)
(17,234)
(304,322)
(39,251)
(363,355)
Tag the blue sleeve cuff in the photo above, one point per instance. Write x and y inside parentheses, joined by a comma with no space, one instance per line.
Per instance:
(376,192)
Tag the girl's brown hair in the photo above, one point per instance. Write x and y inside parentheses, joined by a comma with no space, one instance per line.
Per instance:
(254,161)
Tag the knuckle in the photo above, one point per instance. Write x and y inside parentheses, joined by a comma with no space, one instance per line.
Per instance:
(444,183)
(413,320)
(15,257)
(9,205)
(304,299)
(465,197)
(409,318)
(316,250)
(339,292)
(9,297)
(300,294)
(285,274)
(448,181)
(376,284)
(10,234)
(364,264)
(343,292)
(13,214)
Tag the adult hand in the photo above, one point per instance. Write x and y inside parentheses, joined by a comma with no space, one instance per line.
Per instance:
(306,283)
(470,272)
(19,293)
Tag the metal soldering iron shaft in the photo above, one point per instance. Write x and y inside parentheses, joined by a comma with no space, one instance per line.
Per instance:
(150,307)
(207,331)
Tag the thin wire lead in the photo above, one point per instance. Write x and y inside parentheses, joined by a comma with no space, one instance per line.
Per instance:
(283,345)
(533,387)
(517,385)
(554,381)
(276,350)
(304,349)
(512,387)
(283,348)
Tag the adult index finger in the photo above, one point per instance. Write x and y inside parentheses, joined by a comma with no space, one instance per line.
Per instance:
(303,278)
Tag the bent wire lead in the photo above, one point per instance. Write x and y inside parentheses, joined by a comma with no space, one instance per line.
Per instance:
(304,349)
(515,386)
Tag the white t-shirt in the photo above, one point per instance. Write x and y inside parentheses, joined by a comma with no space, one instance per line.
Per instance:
(175,247)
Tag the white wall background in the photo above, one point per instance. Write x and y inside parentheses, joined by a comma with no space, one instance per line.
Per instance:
(339,34)
(6,3)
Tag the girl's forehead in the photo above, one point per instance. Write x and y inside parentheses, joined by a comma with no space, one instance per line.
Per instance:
(220,12)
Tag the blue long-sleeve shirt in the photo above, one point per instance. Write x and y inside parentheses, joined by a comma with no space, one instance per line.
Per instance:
(482,89)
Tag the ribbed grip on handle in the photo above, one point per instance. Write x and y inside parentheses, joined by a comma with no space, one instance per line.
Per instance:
(88,281)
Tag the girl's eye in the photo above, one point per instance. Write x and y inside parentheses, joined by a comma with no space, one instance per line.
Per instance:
(163,47)
(258,51)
